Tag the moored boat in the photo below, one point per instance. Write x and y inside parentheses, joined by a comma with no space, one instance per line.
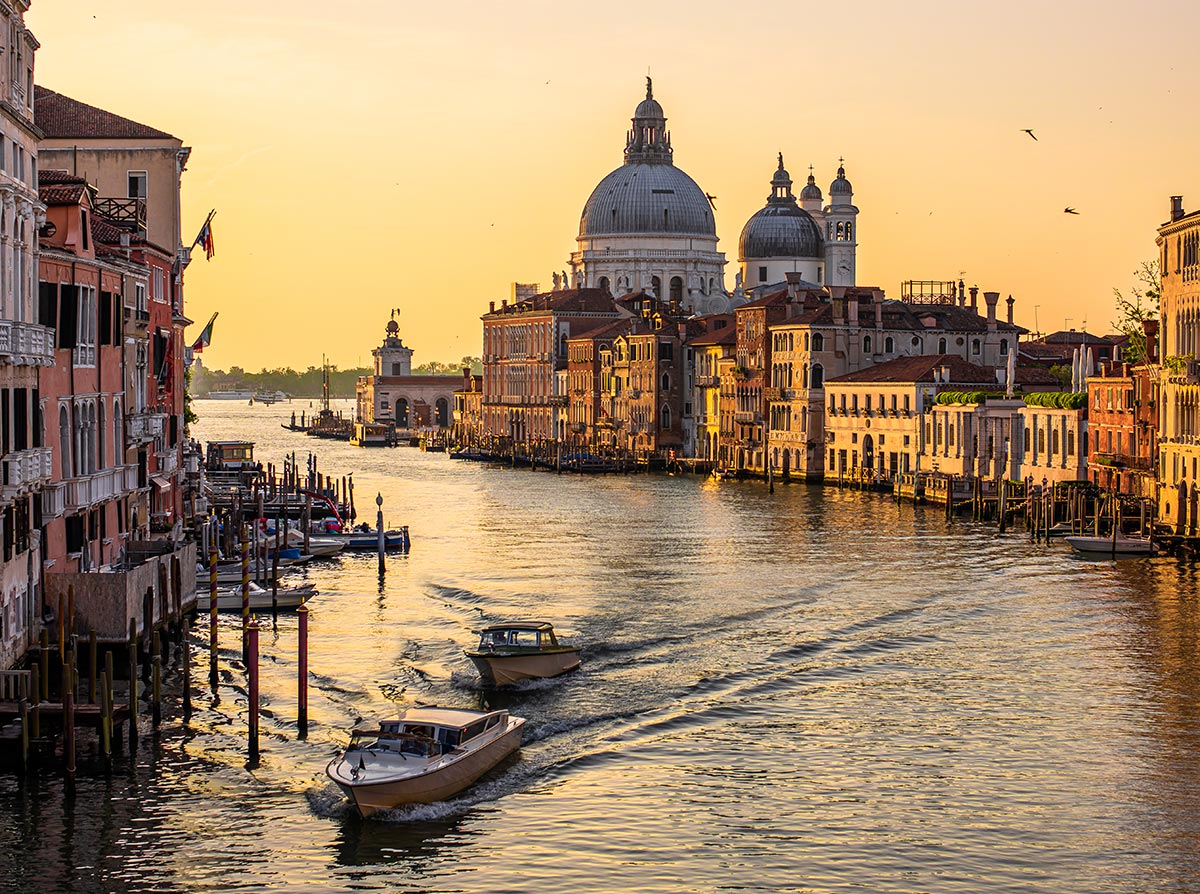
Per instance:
(229,599)
(1113,546)
(522,650)
(428,754)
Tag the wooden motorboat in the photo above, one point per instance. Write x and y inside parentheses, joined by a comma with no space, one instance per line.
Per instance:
(319,546)
(1110,546)
(428,754)
(229,599)
(522,650)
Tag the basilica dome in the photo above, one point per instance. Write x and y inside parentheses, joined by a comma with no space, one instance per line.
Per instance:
(647,198)
(648,194)
(782,229)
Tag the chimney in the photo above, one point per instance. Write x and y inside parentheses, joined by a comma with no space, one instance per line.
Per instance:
(962,294)
(794,279)
(1176,207)
(945,370)
(1150,327)
(491,307)
(992,299)
(503,303)
(1011,302)
(975,298)
(852,310)
(838,294)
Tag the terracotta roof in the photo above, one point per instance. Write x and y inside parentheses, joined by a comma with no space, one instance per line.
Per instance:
(62,117)
(106,233)
(726,336)
(1074,337)
(921,368)
(53,176)
(62,194)
(605,330)
(562,301)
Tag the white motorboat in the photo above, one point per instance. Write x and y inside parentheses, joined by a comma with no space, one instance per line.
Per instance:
(229,599)
(428,754)
(522,650)
(319,546)
(1110,546)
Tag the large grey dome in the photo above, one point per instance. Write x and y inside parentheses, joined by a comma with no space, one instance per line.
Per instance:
(647,198)
(782,230)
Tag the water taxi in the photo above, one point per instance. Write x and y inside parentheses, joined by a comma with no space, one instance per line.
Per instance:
(522,650)
(428,754)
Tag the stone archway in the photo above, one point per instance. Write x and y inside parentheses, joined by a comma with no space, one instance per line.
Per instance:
(868,452)
(787,464)
(441,412)
(401,416)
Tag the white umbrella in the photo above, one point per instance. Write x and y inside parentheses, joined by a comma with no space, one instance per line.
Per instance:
(1075,370)
(1088,367)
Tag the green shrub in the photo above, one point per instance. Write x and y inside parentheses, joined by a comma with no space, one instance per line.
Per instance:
(1060,400)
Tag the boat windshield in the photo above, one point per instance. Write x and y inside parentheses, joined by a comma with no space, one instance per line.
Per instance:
(508,639)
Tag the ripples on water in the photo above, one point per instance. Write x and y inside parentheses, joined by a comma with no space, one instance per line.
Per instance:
(811,691)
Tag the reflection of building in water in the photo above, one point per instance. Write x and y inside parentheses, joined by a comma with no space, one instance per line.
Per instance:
(394,395)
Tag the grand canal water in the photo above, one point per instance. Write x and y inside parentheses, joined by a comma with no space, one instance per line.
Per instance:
(805,691)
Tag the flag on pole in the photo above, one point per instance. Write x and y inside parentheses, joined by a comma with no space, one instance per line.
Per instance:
(205,338)
(205,237)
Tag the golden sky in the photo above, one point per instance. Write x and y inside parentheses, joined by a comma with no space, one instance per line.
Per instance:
(372,154)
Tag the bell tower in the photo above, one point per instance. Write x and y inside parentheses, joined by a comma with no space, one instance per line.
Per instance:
(841,232)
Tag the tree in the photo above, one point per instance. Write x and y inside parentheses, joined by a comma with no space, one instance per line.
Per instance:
(1142,306)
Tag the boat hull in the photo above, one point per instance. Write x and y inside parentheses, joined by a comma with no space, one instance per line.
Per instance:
(441,781)
(1106,546)
(499,669)
(231,601)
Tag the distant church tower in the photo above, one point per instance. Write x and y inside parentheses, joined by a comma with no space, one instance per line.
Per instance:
(391,357)
(841,232)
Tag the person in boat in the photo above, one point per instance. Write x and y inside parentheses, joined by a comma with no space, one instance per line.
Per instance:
(364,528)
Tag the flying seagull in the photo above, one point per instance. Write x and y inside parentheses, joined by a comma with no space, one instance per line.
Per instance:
(1069,210)
(712,200)
(1029,131)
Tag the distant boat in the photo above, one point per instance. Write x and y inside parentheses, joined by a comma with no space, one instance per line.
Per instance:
(521,650)
(269,397)
(1108,546)
(230,394)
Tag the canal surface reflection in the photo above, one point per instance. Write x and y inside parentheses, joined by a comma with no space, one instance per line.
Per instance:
(812,690)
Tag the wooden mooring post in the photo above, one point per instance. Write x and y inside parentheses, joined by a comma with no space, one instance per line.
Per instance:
(133,684)
(302,673)
(252,673)
(68,687)
(212,614)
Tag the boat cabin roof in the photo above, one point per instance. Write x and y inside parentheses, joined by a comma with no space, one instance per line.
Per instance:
(518,625)
(451,717)
(219,445)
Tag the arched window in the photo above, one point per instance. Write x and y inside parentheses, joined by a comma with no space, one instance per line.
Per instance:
(889,345)
(603,284)
(91,438)
(402,413)
(941,346)
(975,347)
(666,418)
(866,344)
(666,381)
(656,286)
(562,345)
(1027,439)
(818,342)
(806,341)
(442,411)
(1054,441)
(118,440)
(818,376)
(101,437)
(849,229)
(1004,346)
(64,441)
(676,289)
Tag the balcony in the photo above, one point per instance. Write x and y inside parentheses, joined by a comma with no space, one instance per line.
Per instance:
(1122,461)
(54,500)
(168,459)
(130,212)
(25,471)
(88,490)
(747,418)
(141,428)
(772,394)
(558,400)
(578,427)
(26,344)
(140,316)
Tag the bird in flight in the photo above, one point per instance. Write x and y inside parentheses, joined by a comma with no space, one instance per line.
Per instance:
(712,200)
(1069,210)
(1029,131)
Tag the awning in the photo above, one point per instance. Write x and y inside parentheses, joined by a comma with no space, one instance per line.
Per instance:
(162,482)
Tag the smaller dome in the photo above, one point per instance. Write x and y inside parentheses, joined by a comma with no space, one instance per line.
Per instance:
(649,108)
(811,191)
(841,186)
(781,230)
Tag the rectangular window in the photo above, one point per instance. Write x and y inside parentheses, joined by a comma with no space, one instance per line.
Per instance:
(137,184)
(762,274)
(68,315)
(48,304)
(665,351)
(106,327)
(139,296)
